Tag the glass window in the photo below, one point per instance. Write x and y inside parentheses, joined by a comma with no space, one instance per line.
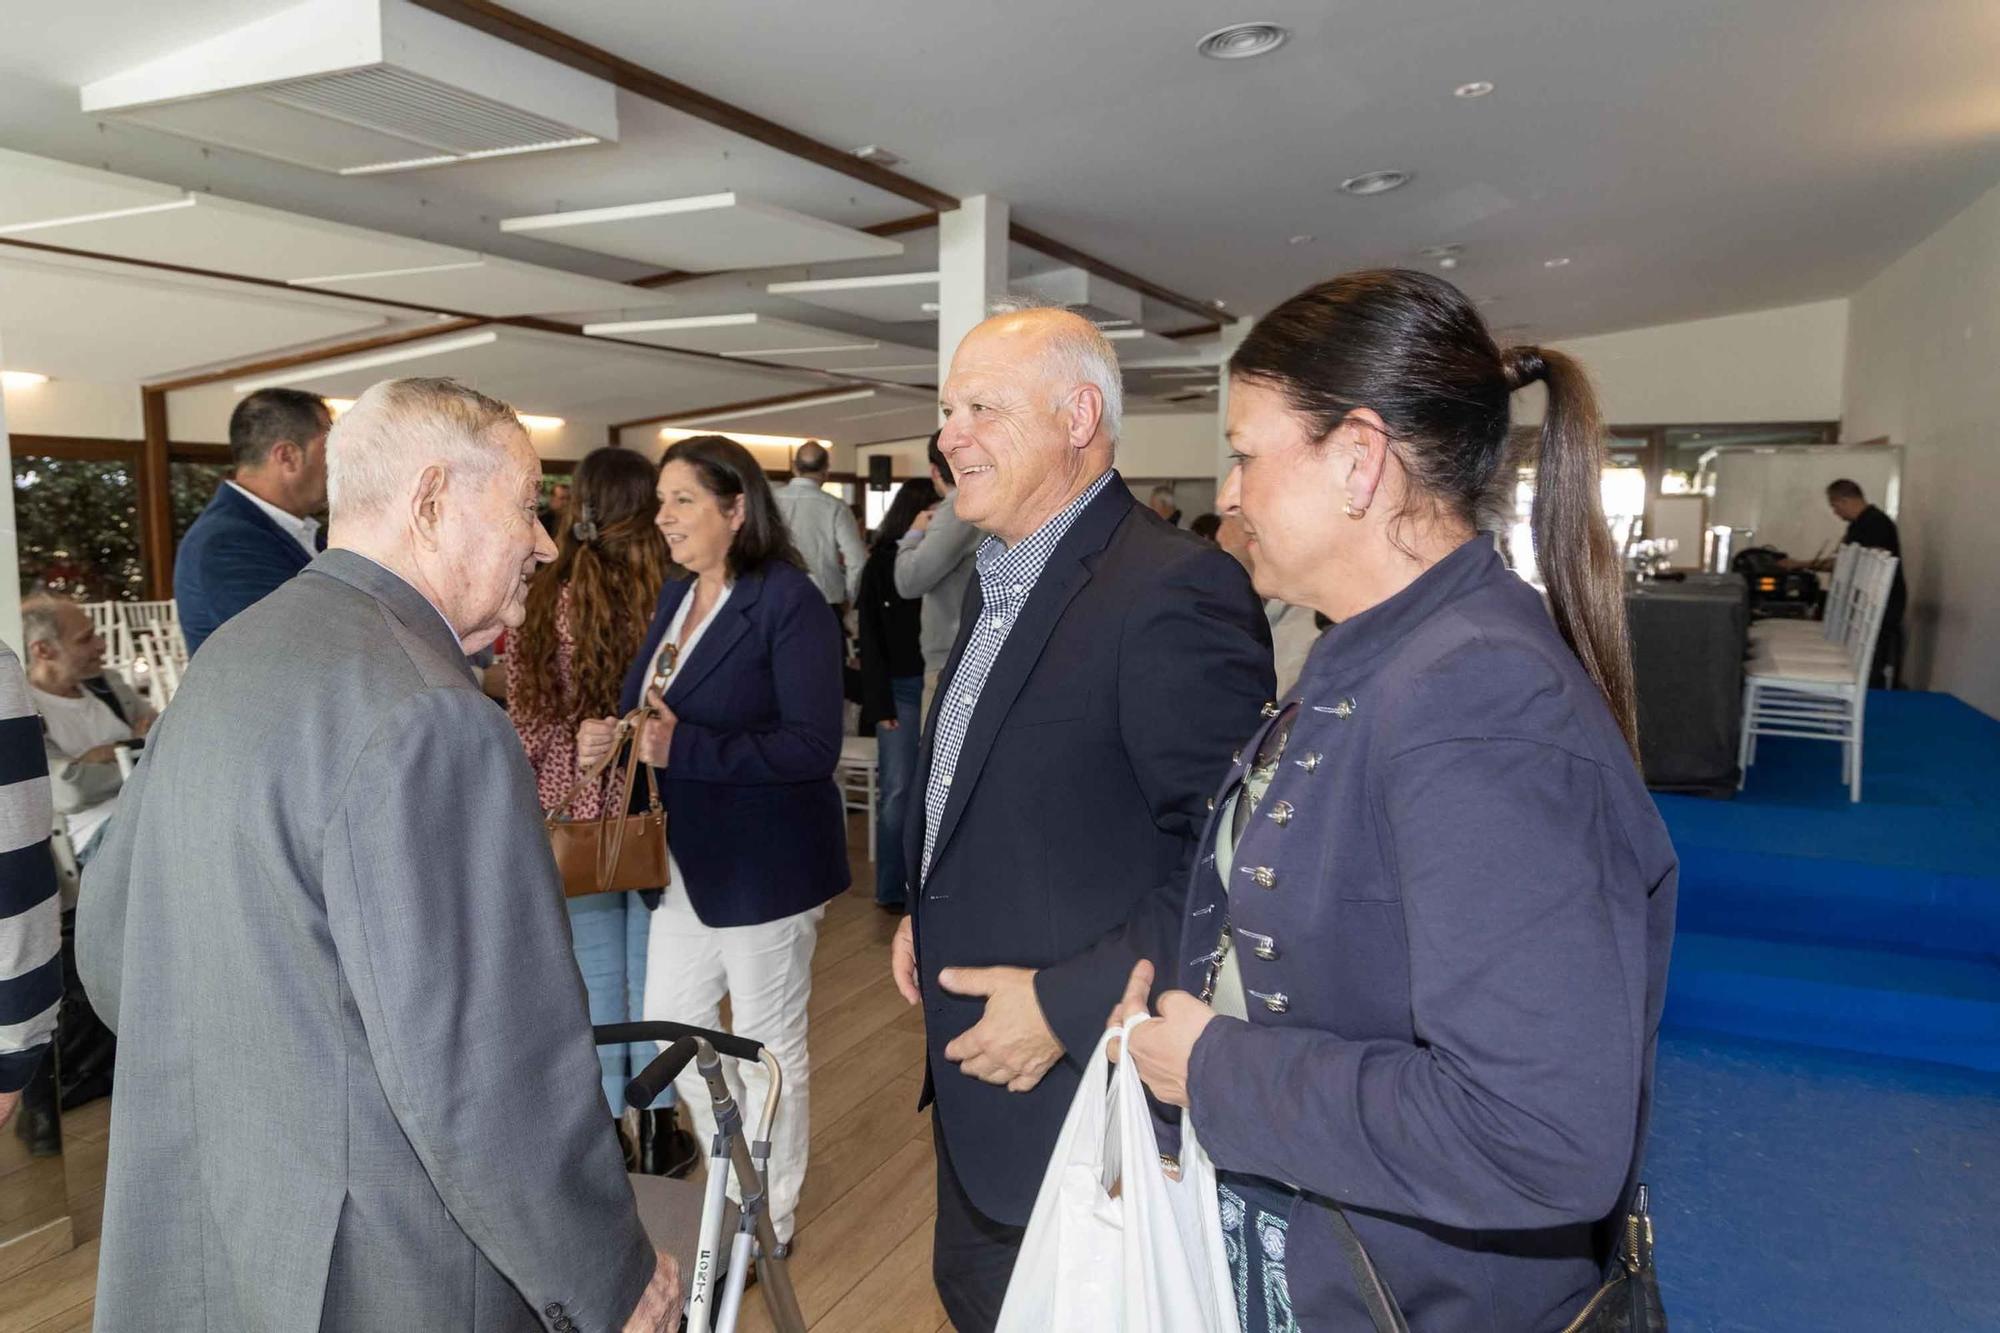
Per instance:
(190,487)
(878,504)
(79,527)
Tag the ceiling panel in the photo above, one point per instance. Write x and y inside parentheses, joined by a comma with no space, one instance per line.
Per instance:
(36,191)
(708,233)
(243,239)
(868,415)
(112,324)
(891,298)
(549,374)
(737,334)
(490,285)
(881,356)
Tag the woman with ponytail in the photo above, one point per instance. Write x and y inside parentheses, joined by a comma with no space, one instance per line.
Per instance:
(586,615)
(1429,934)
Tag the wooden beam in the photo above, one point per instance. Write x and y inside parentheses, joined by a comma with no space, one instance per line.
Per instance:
(893,227)
(80,448)
(1069,254)
(595,60)
(156,513)
(306,358)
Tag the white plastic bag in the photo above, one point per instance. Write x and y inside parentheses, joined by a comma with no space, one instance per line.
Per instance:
(1148,1261)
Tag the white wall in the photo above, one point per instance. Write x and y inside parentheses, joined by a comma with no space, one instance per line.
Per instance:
(1769,365)
(73,407)
(1923,359)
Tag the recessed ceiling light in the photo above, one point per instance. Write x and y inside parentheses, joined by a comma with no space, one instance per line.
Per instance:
(929,307)
(1468,91)
(1240,41)
(1303,238)
(1375,182)
(1559,261)
(21,379)
(880,156)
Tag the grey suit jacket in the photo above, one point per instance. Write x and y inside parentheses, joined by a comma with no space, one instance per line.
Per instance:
(356,1087)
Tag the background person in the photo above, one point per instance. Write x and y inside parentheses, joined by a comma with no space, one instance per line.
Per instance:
(822,528)
(744,746)
(890,629)
(934,562)
(586,615)
(260,528)
(1110,665)
(86,713)
(357,1089)
(1870,527)
(1435,910)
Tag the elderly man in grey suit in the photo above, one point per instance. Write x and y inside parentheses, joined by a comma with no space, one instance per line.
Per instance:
(356,1087)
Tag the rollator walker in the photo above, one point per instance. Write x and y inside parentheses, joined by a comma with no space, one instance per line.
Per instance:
(686,1218)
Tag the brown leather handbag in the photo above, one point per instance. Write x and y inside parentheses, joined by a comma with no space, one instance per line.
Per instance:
(619,851)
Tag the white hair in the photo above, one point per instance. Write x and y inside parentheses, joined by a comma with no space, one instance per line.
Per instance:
(41,620)
(1079,353)
(400,427)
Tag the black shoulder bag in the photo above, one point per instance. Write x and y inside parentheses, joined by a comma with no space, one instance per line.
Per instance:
(1627,1302)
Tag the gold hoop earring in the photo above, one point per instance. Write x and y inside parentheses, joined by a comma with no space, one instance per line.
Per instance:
(1352,512)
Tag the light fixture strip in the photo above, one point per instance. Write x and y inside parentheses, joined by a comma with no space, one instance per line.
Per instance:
(817,400)
(17,228)
(392,356)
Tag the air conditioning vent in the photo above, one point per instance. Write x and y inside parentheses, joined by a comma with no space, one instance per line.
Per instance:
(364,86)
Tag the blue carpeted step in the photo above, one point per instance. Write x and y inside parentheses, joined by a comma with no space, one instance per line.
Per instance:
(1877,1002)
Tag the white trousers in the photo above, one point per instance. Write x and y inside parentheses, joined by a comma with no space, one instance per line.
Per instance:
(766,971)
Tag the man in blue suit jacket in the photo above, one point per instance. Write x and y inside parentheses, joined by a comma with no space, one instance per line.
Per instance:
(258,531)
(1105,666)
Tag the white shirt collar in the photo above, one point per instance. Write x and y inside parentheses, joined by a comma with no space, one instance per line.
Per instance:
(303,530)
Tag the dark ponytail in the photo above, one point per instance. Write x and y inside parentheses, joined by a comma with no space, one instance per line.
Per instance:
(1412,348)
(1573,546)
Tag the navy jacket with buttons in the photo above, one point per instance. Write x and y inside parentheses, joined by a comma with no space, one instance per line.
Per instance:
(1467,900)
(753,817)
(232,557)
(1130,670)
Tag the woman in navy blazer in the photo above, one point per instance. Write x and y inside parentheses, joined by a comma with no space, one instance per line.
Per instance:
(1419,974)
(743,745)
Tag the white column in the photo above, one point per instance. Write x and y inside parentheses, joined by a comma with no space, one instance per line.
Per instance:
(1230,339)
(972,270)
(10,549)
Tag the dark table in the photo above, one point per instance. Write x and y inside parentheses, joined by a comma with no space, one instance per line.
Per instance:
(1689,638)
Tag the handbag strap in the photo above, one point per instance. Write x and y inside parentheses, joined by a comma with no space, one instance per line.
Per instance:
(611,828)
(1383,1312)
(626,725)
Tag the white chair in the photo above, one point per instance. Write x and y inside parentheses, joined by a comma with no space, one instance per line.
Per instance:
(107,618)
(163,666)
(1839,604)
(1815,690)
(857,775)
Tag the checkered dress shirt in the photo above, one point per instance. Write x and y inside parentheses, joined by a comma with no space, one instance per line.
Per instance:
(1007,577)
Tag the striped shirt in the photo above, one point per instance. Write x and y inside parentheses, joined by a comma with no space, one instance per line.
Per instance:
(1007,576)
(31,980)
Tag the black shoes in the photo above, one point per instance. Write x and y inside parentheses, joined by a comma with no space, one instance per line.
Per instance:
(664,1148)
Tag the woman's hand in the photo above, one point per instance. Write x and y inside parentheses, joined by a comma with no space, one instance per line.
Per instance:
(656,732)
(1163,1047)
(594,738)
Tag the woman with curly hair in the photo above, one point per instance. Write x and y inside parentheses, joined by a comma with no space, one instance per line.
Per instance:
(587,613)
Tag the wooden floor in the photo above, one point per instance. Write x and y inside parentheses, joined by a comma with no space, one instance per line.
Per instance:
(863,1259)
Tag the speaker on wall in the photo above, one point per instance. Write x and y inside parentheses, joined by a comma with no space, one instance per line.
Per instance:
(881,469)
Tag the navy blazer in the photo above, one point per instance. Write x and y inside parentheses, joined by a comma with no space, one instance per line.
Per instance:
(753,817)
(1453,912)
(1139,659)
(233,556)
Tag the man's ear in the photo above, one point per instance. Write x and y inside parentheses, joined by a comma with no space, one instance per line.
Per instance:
(427,505)
(1086,413)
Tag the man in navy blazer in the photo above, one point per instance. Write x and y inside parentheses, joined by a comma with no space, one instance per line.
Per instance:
(259,530)
(1105,666)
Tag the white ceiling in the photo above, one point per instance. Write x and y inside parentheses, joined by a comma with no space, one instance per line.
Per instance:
(111,324)
(1690,157)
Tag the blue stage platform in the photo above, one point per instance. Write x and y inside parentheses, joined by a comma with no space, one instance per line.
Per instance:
(1825,1150)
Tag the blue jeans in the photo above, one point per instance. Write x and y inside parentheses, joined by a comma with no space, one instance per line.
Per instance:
(896,760)
(610,932)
